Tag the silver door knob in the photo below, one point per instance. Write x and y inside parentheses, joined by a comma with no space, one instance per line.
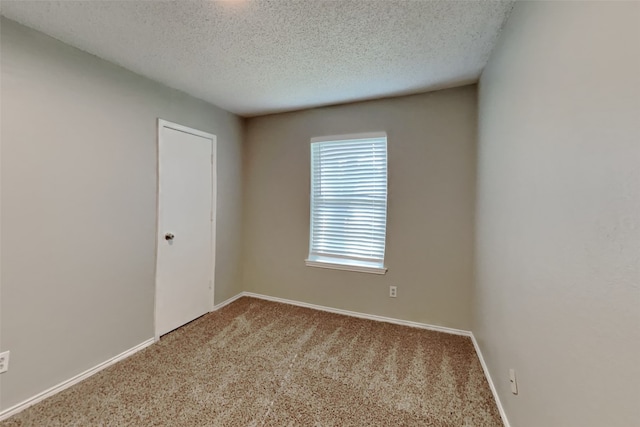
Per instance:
(169,237)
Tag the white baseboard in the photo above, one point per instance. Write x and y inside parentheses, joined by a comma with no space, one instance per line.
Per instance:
(362,315)
(72,381)
(492,386)
(227,301)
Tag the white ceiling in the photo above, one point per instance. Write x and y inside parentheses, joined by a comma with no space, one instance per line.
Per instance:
(263,56)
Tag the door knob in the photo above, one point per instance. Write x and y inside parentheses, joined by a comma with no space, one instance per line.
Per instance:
(169,237)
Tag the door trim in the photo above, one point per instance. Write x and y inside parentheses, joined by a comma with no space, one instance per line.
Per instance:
(214,179)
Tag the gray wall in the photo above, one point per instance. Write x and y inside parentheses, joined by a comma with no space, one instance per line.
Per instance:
(431,145)
(558,214)
(79,207)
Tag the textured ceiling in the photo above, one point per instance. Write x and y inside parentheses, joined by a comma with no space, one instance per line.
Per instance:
(257,57)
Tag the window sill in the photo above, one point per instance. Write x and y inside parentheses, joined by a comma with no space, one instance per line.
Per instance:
(347,267)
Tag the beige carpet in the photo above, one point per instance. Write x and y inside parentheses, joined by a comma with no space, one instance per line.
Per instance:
(259,363)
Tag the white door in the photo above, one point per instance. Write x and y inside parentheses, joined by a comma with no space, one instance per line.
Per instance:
(186,208)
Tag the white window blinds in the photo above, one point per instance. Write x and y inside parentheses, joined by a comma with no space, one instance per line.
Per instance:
(349,200)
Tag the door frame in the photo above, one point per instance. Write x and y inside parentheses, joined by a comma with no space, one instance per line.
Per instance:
(214,179)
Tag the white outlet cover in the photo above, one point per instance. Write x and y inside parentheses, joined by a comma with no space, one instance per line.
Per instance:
(4,362)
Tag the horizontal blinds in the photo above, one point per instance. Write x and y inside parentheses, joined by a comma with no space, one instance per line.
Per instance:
(349,198)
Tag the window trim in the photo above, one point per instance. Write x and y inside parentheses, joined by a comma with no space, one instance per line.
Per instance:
(335,263)
(347,267)
(346,137)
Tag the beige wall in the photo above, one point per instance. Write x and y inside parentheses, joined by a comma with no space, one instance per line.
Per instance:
(79,207)
(558,214)
(431,148)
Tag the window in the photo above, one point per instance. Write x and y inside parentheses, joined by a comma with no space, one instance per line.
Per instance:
(349,202)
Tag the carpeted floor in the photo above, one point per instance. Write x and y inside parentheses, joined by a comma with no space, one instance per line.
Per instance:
(259,363)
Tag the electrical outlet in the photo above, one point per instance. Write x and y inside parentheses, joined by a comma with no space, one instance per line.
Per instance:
(393,291)
(4,362)
(512,381)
